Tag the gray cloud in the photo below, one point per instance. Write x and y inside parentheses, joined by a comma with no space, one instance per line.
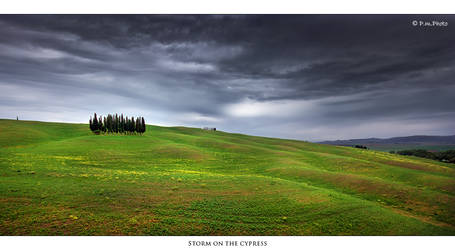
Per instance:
(311,77)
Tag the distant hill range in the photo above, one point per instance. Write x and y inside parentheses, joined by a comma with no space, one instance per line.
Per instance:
(429,142)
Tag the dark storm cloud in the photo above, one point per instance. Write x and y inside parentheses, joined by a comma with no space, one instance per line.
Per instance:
(299,76)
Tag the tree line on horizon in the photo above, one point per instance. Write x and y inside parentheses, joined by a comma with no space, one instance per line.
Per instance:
(444,156)
(117,124)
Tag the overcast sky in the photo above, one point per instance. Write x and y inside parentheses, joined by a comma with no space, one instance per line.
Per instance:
(309,77)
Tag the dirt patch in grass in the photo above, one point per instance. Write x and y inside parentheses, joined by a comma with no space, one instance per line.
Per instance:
(449,187)
(22,201)
(221,145)
(288,148)
(306,199)
(175,152)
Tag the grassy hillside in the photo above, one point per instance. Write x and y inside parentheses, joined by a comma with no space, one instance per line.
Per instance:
(59,179)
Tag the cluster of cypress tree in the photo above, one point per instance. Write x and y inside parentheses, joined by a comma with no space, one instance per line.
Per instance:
(117,124)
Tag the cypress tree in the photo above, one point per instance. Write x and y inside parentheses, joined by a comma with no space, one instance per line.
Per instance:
(106,123)
(143,125)
(128,126)
(125,125)
(121,124)
(111,118)
(101,127)
(132,125)
(116,123)
(91,124)
(109,123)
(138,125)
(95,122)
(113,123)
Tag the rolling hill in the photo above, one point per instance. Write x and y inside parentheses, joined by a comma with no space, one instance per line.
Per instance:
(59,179)
(432,143)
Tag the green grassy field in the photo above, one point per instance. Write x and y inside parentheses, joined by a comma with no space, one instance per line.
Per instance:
(59,179)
